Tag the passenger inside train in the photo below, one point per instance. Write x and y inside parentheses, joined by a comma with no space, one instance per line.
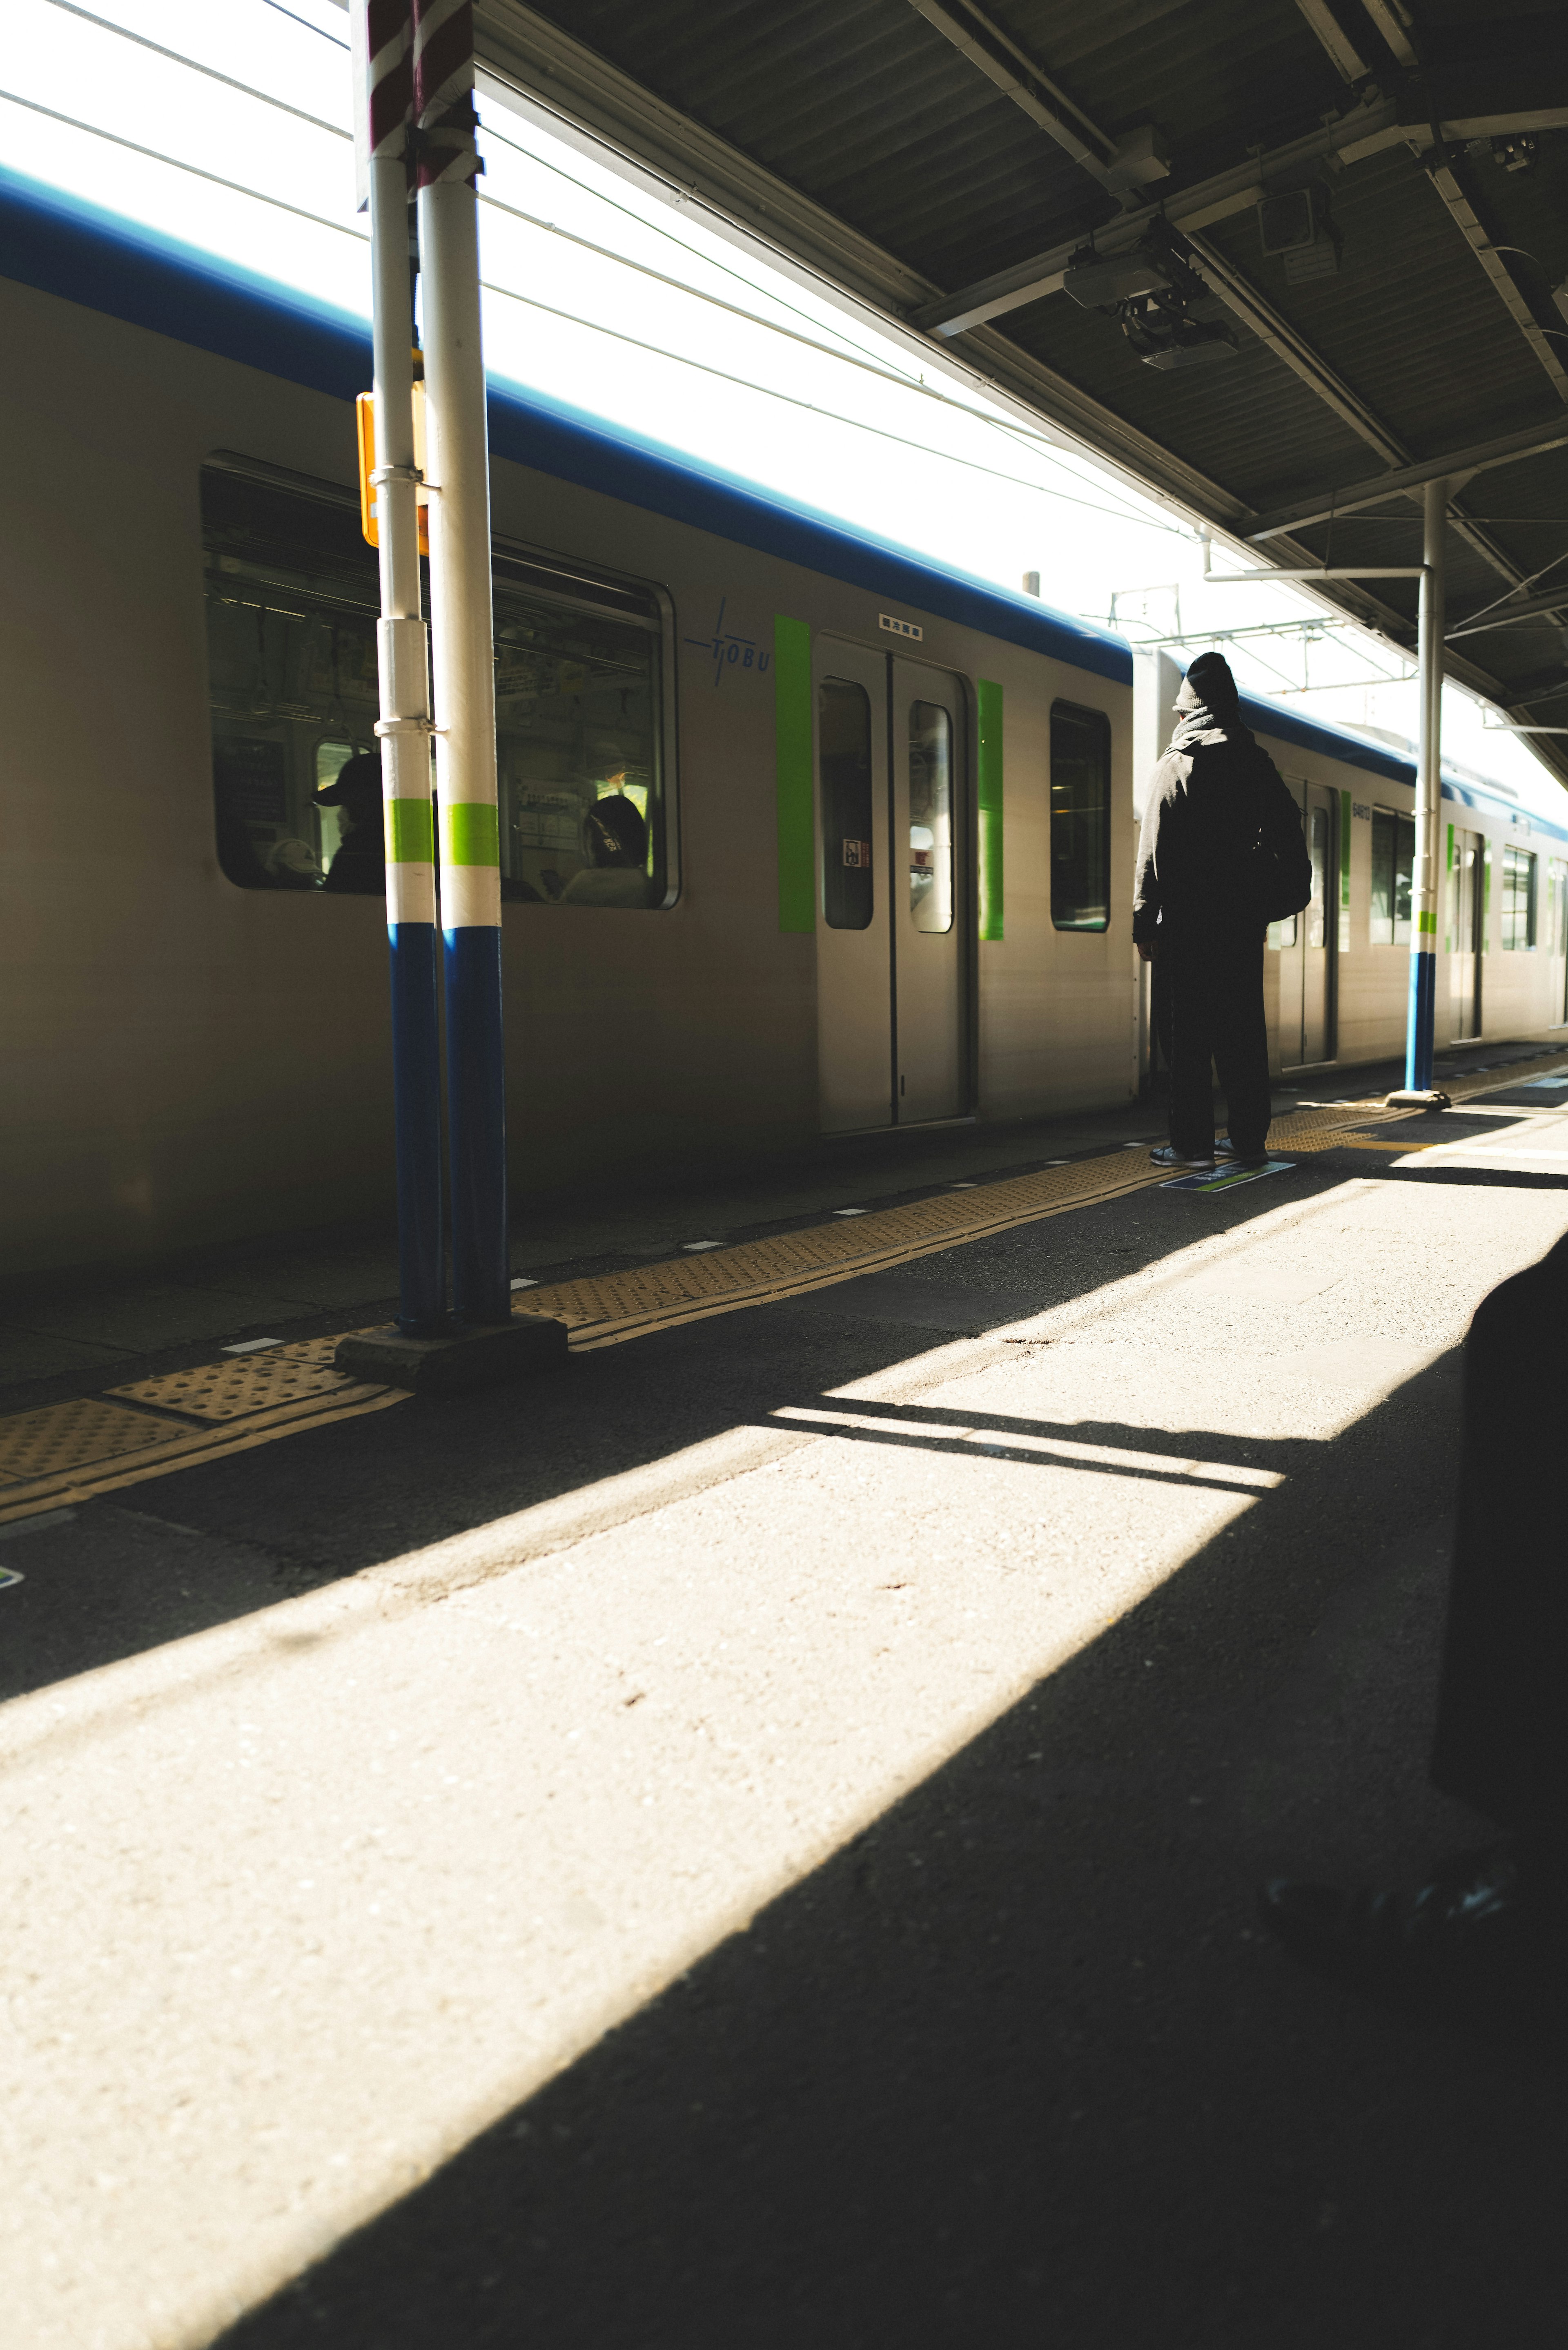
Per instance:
(359,862)
(615,844)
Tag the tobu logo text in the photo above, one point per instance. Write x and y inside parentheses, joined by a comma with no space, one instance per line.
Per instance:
(857,852)
(730,650)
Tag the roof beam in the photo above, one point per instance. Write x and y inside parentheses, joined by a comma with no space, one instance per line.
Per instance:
(1342,52)
(1241,297)
(1454,193)
(1503,615)
(1366,130)
(1002,62)
(1479,459)
(1392,19)
(1120,168)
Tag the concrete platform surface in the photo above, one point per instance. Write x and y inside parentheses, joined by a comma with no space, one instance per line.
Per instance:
(752,1840)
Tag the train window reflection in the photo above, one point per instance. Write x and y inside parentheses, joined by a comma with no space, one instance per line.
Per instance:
(1517,923)
(576,739)
(1080,818)
(844,752)
(1392,864)
(292,598)
(931,816)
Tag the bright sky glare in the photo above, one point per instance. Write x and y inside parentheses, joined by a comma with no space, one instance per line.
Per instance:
(736,361)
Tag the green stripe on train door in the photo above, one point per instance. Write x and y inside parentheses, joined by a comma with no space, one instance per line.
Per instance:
(988,799)
(793,778)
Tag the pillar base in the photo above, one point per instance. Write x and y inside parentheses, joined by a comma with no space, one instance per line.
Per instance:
(1417,1099)
(484,1356)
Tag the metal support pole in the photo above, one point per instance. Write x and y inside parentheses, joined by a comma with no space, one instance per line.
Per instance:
(1421,1020)
(463,631)
(404,728)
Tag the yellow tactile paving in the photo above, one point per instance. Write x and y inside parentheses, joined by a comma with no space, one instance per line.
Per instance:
(58,1438)
(613,1308)
(235,1389)
(168,1448)
(67,1452)
(619,1305)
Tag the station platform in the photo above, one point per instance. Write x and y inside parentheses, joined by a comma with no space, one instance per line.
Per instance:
(752,1839)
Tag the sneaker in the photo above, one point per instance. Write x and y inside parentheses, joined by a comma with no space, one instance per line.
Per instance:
(1226,1152)
(1169,1156)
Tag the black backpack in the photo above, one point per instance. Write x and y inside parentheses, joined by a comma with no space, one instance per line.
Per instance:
(1282,862)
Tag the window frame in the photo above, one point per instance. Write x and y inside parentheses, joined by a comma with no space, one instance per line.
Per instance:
(1513,856)
(552,565)
(1102,720)
(1396,818)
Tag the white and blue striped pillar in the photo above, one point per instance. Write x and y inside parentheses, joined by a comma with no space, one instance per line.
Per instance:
(457,451)
(1421,1021)
(383,39)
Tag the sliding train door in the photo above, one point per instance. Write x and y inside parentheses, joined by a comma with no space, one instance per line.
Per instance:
(1467,913)
(1305,942)
(853,947)
(927,795)
(891,807)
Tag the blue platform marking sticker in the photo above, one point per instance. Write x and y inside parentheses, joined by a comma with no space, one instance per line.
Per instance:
(8,1576)
(1225,1179)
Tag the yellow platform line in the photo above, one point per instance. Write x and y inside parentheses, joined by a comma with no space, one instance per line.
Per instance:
(232,1397)
(186,1449)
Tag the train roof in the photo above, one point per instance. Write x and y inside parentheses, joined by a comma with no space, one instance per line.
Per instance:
(60,244)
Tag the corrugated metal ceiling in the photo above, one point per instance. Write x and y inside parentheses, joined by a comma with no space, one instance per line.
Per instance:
(861,137)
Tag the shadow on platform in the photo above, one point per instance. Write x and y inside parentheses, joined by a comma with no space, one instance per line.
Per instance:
(1014,2066)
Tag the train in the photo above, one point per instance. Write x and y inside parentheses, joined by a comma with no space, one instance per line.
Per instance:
(801,833)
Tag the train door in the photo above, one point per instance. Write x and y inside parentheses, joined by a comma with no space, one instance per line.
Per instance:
(1557,940)
(853,1008)
(1305,944)
(925,865)
(1468,911)
(890,811)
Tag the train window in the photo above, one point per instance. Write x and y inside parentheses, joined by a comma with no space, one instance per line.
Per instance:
(1393,865)
(931,816)
(577,737)
(293,599)
(844,723)
(1080,818)
(1518,898)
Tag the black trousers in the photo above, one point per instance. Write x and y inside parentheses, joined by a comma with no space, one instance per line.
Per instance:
(1216,996)
(1502,1714)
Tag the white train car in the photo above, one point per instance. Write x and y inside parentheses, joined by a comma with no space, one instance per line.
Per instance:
(799,832)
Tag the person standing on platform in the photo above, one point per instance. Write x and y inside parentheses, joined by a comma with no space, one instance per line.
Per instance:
(1221,850)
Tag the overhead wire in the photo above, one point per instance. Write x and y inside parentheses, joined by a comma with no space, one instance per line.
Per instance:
(320,30)
(593,325)
(854,356)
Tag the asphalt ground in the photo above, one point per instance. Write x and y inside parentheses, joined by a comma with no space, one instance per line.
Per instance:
(751,1839)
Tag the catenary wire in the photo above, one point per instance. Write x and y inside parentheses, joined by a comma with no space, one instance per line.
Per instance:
(507,293)
(194,65)
(854,356)
(320,30)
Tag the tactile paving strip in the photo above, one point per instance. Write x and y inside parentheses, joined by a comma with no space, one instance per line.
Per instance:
(62,1437)
(619,1305)
(71,1451)
(605,1311)
(233,1391)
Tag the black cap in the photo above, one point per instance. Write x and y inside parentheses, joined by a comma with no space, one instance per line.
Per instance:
(357,779)
(1211,679)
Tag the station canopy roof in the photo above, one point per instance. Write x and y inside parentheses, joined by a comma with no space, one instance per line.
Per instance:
(1280,259)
